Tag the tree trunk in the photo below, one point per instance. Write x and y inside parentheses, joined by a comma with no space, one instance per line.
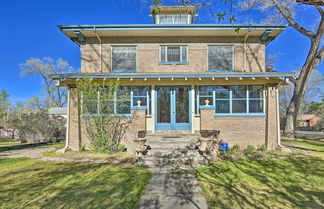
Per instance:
(313,59)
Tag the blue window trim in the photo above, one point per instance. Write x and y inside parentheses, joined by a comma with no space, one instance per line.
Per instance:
(147,95)
(240,115)
(173,63)
(220,71)
(123,71)
(230,99)
(203,107)
(138,108)
(114,115)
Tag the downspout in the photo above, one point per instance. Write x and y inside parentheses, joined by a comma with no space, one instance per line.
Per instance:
(95,31)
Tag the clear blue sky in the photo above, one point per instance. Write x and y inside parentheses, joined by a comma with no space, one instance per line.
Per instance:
(28,30)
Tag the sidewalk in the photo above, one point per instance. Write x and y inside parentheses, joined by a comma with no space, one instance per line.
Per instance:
(168,189)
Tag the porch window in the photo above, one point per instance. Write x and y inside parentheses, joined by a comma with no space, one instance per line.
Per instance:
(120,101)
(205,93)
(239,99)
(220,58)
(173,54)
(123,58)
(232,100)
(222,99)
(123,100)
(256,99)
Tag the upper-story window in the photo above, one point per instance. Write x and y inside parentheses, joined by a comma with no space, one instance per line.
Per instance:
(173,19)
(123,58)
(174,54)
(220,58)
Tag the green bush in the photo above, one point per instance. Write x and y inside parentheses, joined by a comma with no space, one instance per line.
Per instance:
(122,147)
(236,148)
(249,149)
(263,148)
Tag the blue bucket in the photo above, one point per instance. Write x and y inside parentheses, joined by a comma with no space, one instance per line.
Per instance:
(224,146)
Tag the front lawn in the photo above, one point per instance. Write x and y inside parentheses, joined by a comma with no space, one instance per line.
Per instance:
(295,182)
(28,183)
(9,142)
(313,147)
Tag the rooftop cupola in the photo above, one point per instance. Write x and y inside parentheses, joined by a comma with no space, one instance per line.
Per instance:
(173,14)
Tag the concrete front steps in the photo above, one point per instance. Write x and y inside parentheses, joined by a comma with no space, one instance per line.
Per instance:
(175,150)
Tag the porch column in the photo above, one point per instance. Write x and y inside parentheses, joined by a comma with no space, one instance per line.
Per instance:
(207,117)
(138,116)
(153,110)
(193,121)
(74,125)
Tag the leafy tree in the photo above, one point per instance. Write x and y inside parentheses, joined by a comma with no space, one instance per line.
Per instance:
(104,126)
(286,11)
(4,107)
(43,68)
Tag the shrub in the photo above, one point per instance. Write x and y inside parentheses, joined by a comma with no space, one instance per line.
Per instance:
(249,149)
(122,147)
(263,148)
(236,148)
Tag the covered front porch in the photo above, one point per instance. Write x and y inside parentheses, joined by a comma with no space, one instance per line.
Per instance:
(243,106)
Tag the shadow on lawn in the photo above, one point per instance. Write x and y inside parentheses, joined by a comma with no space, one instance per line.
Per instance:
(23,146)
(289,183)
(72,185)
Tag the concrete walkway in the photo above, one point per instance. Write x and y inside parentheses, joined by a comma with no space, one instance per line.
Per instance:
(170,189)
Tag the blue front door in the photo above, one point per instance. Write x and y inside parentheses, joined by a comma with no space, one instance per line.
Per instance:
(173,106)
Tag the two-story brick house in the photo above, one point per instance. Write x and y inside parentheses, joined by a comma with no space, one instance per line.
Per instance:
(173,66)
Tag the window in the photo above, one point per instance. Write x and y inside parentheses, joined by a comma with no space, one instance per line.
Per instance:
(205,93)
(220,58)
(123,58)
(118,102)
(222,99)
(123,100)
(173,19)
(239,99)
(232,100)
(256,99)
(173,54)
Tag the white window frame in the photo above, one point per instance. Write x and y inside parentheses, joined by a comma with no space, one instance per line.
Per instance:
(166,54)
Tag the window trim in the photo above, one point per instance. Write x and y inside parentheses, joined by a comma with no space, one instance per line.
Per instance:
(233,58)
(123,71)
(189,21)
(166,55)
(147,106)
(231,114)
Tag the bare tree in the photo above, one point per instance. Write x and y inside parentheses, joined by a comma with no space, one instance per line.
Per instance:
(43,68)
(286,10)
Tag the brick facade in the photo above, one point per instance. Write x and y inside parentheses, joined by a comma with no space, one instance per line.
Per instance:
(249,57)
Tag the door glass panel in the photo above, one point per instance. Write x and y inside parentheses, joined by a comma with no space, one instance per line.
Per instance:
(163,105)
(182,104)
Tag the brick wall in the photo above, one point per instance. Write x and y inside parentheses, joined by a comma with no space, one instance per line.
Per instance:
(249,57)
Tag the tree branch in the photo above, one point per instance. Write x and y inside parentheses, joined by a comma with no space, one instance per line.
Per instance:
(291,20)
(320,10)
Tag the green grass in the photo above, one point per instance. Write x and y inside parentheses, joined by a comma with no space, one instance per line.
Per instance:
(274,183)
(28,183)
(8,142)
(6,145)
(315,147)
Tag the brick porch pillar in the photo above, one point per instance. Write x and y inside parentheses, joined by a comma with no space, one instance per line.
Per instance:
(207,114)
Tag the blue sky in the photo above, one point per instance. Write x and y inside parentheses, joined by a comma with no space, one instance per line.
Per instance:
(29,31)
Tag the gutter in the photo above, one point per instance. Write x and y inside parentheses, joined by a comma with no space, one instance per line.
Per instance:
(171,26)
